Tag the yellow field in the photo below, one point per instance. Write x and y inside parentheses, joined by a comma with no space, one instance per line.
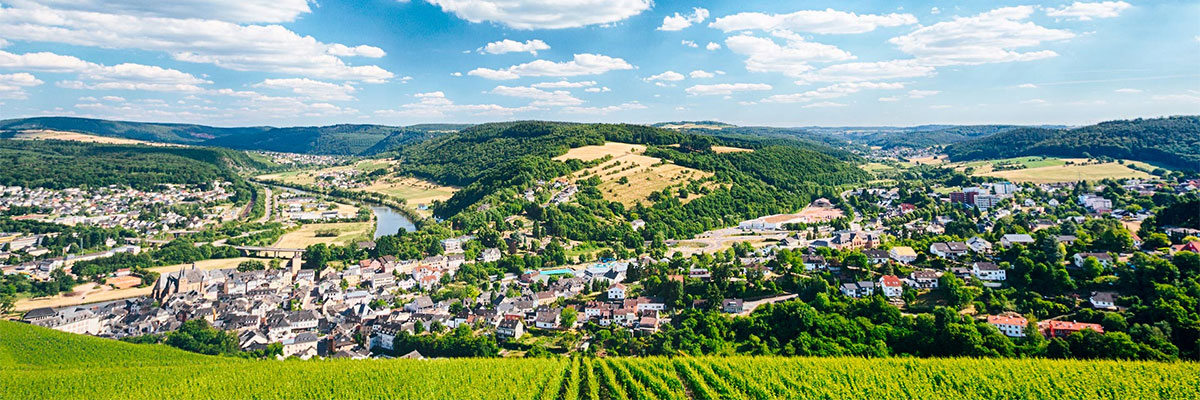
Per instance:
(78,137)
(645,175)
(1069,173)
(414,191)
(727,149)
(93,293)
(307,234)
(933,160)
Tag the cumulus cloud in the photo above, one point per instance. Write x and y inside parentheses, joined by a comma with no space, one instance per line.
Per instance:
(867,71)
(828,21)
(701,74)
(920,94)
(989,37)
(245,11)
(229,45)
(563,84)
(633,105)
(1128,90)
(832,92)
(689,43)
(1087,11)
(12,86)
(679,22)
(311,89)
(601,89)
(765,55)
(542,14)
(669,76)
(513,46)
(712,46)
(725,88)
(541,98)
(437,105)
(1027,86)
(90,75)
(823,104)
(582,64)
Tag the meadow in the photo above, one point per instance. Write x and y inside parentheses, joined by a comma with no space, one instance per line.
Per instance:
(37,363)
(629,176)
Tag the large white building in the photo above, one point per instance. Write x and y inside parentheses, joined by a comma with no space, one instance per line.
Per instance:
(1010,324)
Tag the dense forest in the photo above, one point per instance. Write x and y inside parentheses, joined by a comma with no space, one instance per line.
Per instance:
(1174,141)
(61,164)
(939,136)
(343,139)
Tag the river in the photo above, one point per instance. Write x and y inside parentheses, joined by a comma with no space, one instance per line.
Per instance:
(388,221)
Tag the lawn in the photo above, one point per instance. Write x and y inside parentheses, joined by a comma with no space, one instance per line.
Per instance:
(307,234)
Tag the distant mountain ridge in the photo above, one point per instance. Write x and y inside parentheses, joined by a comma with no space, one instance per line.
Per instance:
(1173,141)
(343,139)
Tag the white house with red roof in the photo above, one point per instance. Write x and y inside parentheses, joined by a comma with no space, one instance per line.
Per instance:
(891,286)
(1010,324)
(616,292)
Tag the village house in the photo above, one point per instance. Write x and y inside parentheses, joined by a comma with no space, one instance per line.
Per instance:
(988,271)
(1010,324)
(891,286)
(1058,329)
(926,279)
(1015,238)
(903,254)
(1105,259)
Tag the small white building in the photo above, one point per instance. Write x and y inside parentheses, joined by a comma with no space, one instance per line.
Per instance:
(616,292)
(1010,324)
(891,286)
(988,271)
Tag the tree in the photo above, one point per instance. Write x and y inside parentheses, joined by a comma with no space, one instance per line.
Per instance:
(1092,268)
(8,303)
(316,256)
(568,317)
(197,336)
(251,265)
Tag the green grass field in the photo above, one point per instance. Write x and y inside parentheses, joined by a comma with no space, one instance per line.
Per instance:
(37,363)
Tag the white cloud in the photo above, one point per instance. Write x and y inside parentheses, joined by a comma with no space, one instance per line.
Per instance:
(513,46)
(832,92)
(541,98)
(689,43)
(115,99)
(563,84)
(602,89)
(1191,97)
(824,104)
(1027,86)
(633,105)
(543,14)
(990,37)
(828,21)
(678,22)
(1039,102)
(725,88)
(582,64)
(12,85)
(1128,90)
(669,76)
(889,99)
(935,11)
(699,74)
(1086,11)
(712,46)
(270,11)
(867,71)
(920,94)
(310,89)
(765,55)
(90,75)
(436,105)
(229,45)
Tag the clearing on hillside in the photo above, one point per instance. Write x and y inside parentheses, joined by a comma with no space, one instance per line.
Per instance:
(413,191)
(79,137)
(642,175)
(727,149)
(1071,170)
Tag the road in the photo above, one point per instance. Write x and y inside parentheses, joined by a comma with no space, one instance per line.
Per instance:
(715,240)
(267,203)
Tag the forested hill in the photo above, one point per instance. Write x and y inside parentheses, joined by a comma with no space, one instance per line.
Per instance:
(1174,141)
(333,140)
(496,162)
(61,164)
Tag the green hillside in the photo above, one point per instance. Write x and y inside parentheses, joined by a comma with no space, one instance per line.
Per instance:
(61,164)
(37,363)
(346,139)
(1173,141)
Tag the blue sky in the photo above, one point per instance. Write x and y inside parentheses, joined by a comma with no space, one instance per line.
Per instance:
(782,63)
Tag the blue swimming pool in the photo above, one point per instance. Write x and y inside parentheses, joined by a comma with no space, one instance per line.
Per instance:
(560,271)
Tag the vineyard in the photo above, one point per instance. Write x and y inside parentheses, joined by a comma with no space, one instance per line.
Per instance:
(36,363)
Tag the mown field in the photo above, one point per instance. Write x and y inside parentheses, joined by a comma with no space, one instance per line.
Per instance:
(36,363)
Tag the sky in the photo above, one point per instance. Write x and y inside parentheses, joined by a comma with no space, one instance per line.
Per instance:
(747,62)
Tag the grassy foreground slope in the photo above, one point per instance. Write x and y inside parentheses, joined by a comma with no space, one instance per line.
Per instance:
(37,363)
